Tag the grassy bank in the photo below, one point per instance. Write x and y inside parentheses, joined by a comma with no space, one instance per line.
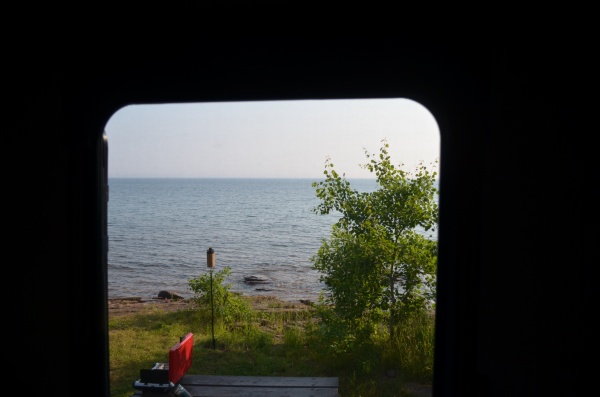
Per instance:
(275,339)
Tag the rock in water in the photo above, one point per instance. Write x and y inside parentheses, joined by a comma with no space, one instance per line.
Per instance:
(169,295)
(254,279)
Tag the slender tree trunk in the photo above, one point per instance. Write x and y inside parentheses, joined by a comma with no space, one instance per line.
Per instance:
(393,302)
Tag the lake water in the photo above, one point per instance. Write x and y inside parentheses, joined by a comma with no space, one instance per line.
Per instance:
(160,229)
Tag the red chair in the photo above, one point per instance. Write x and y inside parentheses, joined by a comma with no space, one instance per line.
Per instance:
(180,358)
(163,378)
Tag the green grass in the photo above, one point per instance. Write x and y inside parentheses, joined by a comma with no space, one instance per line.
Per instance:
(271,343)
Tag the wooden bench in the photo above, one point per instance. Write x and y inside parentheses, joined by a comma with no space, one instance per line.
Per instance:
(260,386)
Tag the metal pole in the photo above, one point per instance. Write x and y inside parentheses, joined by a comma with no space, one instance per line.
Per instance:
(212,309)
(210,263)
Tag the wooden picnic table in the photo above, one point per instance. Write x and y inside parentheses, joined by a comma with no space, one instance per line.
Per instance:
(258,386)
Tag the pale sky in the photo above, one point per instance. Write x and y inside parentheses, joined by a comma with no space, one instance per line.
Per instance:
(271,139)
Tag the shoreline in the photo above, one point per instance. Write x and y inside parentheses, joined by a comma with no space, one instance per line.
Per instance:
(135,305)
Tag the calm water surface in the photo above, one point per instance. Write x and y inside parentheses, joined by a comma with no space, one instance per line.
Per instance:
(160,229)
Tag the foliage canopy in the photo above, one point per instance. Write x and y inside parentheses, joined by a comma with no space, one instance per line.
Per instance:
(378,265)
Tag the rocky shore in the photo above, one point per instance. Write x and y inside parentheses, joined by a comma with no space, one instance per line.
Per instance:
(134,305)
